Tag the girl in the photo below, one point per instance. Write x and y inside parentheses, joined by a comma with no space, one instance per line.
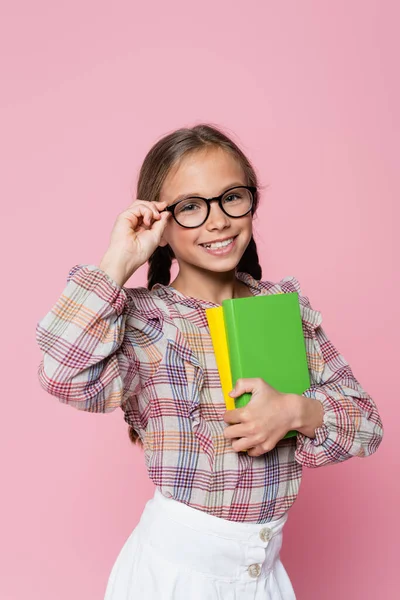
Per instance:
(214,527)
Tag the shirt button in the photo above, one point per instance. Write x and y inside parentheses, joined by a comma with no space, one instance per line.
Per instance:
(265,534)
(254,570)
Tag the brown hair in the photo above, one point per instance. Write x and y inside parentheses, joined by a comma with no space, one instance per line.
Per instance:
(167,153)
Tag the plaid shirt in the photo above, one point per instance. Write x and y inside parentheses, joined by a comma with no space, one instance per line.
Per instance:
(151,354)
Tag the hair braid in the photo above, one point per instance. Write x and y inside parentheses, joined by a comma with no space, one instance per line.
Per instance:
(134,436)
(249,263)
(159,270)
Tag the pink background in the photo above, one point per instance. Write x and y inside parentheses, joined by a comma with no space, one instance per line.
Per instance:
(311,91)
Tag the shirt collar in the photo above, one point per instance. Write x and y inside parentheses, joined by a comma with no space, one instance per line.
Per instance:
(170,293)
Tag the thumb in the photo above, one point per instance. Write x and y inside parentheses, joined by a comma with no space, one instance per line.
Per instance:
(159,226)
(243,386)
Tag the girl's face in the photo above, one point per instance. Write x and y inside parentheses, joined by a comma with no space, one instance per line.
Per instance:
(207,173)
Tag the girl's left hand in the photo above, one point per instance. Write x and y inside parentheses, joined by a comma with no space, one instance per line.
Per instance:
(263,422)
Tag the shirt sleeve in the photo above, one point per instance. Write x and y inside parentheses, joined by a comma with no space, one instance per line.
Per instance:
(83,364)
(351,423)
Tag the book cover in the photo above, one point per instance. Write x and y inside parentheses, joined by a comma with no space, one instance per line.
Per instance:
(216,324)
(265,339)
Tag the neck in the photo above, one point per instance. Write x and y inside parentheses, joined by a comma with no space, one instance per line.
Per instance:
(211,287)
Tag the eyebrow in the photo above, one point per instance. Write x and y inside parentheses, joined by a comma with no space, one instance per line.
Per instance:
(191,194)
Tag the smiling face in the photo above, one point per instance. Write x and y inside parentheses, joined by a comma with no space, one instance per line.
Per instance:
(207,173)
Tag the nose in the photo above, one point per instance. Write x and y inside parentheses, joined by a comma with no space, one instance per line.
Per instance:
(217,219)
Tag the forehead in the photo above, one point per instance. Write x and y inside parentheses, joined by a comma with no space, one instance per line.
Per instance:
(205,173)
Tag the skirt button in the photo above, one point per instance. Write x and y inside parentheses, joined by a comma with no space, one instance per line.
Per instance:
(265,534)
(254,570)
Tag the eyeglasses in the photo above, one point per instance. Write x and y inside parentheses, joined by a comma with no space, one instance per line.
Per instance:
(193,211)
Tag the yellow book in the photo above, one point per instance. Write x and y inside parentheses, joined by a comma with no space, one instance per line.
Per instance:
(215,318)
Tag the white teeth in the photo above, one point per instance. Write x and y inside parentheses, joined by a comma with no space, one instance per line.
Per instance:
(219,244)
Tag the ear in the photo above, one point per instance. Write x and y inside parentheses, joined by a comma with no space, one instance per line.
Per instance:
(163,241)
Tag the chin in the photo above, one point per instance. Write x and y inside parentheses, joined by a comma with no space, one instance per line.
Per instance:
(227,266)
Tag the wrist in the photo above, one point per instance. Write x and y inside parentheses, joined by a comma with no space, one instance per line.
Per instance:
(295,410)
(110,266)
(307,414)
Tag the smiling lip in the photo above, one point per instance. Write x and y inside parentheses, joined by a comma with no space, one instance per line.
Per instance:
(229,237)
(221,251)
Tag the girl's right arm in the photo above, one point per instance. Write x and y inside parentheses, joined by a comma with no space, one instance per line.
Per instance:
(83,363)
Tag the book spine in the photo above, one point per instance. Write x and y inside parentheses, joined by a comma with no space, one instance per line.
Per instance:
(234,350)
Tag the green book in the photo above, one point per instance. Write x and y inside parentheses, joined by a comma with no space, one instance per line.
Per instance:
(265,339)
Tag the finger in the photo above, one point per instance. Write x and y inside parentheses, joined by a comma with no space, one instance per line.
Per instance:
(160,225)
(157,229)
(266,446)
(235,431)
(247,385)
(158,208)
(141,211)
(242,444)
(233,416)
(256,451)
(149,205)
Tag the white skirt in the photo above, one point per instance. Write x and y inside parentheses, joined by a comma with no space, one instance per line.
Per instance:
(179,553)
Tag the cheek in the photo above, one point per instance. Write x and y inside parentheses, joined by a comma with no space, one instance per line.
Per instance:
(247,227)
(179,238)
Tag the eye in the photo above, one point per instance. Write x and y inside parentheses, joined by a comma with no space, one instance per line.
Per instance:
(189,208)
(232,197)
(189,205)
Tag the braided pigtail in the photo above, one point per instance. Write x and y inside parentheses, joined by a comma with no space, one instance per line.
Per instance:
(133,436)
(249,263)
(159,270)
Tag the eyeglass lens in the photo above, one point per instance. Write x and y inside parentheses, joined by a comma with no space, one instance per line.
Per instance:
(192,212)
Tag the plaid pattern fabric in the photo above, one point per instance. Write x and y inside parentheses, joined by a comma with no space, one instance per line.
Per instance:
(150,353)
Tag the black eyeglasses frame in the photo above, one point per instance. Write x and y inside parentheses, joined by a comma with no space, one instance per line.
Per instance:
(208,201)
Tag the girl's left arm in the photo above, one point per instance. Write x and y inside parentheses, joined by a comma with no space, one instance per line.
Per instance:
(351,423)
